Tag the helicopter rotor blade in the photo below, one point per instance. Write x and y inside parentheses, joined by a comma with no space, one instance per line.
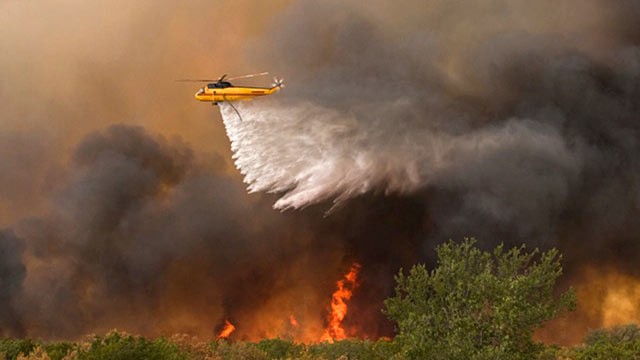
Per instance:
(248,76)
(224,77)
(196,80)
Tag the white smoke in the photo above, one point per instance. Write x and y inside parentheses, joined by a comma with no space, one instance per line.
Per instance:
(310,153)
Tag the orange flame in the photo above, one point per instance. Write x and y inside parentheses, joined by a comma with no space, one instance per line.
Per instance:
(334,330)
(607,297)
(227,330)
(293,321)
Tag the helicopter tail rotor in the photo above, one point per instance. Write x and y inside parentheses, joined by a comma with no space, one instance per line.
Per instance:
(279,83)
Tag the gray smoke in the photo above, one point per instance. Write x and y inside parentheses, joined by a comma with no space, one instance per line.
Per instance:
(143,236)
(12,274)
(539,120)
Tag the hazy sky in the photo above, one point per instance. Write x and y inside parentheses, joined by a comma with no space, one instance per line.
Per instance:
(71,67)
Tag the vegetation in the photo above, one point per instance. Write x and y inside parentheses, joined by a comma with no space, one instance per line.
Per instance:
(119,346)
(618,343)
(476,304)
(11,348)
(473,305)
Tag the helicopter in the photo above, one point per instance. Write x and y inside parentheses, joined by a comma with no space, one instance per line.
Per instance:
(222,90)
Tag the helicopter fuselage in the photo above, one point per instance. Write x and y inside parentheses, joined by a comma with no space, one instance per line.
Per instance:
(225,91)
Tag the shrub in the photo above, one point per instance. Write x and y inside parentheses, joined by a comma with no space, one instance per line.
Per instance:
(36,354)
(280,349)
(353,349)
(11,348)
(617,343)
(119,346)
(237,351)
(58,350)
(476,304)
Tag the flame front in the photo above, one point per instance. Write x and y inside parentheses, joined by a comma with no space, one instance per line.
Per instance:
(227,330)
(334,330)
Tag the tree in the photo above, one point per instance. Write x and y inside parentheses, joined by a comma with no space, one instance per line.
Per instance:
(476,304)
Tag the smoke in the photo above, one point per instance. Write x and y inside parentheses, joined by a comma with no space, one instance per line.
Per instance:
(527,135)
(546,119)
(141,230)
(12,273)
(509,121)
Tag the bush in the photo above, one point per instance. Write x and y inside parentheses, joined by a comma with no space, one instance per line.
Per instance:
(353,349)
(385,349)
(237,351)
(119,346)
(37,353)
(476,304)
(58,350)
(280,349)
(617,343)
(344,349)
(11,348)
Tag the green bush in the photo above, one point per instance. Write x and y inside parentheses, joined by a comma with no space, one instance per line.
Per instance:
(617,343)
(349,349)
(237,351)
(386,349)
(280,349)
(118,346)
(476,304)
(11,348)
(353,349)
(58,350)
(550,353)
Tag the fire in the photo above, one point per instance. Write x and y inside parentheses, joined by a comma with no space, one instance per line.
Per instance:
(227,330)
(283,316)
(606,298)
(293,321)
(334,330)
(620,305)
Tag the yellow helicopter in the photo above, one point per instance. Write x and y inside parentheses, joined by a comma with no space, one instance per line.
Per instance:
(222,90)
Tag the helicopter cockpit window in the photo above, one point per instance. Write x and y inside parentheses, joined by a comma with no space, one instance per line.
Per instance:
(219,85)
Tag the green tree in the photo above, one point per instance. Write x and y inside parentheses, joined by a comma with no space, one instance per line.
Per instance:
(476,304)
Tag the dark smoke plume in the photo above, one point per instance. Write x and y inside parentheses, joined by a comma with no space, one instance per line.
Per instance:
(524,136)
(12,273)
(144,237)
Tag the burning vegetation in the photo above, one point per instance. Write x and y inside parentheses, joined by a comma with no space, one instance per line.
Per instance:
(227,330)
(473,305)
(336,312)
(338,309)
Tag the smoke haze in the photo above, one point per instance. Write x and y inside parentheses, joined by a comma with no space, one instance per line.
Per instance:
(506,120)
